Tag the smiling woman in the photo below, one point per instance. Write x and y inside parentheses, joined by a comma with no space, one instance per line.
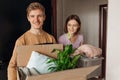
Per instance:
(88,11)
(72,35)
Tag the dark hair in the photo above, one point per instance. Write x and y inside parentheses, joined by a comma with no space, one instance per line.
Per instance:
(35,5)
(72,17)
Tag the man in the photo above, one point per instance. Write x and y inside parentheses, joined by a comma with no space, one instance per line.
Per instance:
(36,35)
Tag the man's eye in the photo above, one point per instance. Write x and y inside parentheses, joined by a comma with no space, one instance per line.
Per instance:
(32,16)
(40,15)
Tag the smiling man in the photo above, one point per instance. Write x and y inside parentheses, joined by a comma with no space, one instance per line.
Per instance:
(35,35)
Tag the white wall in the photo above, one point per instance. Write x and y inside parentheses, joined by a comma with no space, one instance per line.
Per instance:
(88,11)
(113,41)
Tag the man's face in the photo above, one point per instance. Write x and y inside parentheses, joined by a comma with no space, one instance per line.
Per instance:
(36,18)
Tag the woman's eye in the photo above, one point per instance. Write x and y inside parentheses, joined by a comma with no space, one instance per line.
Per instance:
(68,25)
(72,25)
(75,25)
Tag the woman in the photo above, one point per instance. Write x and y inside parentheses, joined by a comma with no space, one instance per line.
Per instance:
(72,35)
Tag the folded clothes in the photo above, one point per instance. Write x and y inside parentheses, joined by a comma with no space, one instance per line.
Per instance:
(88,50)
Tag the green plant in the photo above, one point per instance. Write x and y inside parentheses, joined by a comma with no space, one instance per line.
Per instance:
(64,60)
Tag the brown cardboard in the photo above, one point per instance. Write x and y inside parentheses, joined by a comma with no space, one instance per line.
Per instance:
(24,53)
(73,74)
(84,62)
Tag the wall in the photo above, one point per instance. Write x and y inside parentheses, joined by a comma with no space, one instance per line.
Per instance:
(87,10)
(59,17)
(113,41)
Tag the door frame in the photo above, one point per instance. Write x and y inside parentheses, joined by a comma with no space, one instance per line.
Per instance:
(54,18)
(103,34)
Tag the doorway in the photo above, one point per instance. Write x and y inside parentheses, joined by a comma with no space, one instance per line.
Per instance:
(102,34)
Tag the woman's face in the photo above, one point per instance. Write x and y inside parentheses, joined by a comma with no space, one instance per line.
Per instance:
(72,26)
(36,18)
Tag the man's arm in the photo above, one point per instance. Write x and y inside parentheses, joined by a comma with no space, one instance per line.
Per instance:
(12,72)
(12,67)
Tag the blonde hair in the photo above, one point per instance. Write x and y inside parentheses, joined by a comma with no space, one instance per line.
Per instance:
(35,5)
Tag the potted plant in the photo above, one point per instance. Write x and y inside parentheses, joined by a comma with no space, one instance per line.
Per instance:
(64,59)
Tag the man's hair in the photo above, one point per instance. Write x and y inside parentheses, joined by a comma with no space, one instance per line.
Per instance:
(34,6)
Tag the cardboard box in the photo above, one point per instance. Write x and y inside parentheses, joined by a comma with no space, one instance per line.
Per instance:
(73,74)
(24,53)
(85,62)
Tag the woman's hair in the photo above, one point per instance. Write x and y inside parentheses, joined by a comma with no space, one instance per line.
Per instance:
(34,6)
(72,17)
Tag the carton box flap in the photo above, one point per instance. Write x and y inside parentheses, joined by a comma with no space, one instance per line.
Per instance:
(73,74)
(24,52)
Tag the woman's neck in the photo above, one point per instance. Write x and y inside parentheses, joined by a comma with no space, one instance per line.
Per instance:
(72,37)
